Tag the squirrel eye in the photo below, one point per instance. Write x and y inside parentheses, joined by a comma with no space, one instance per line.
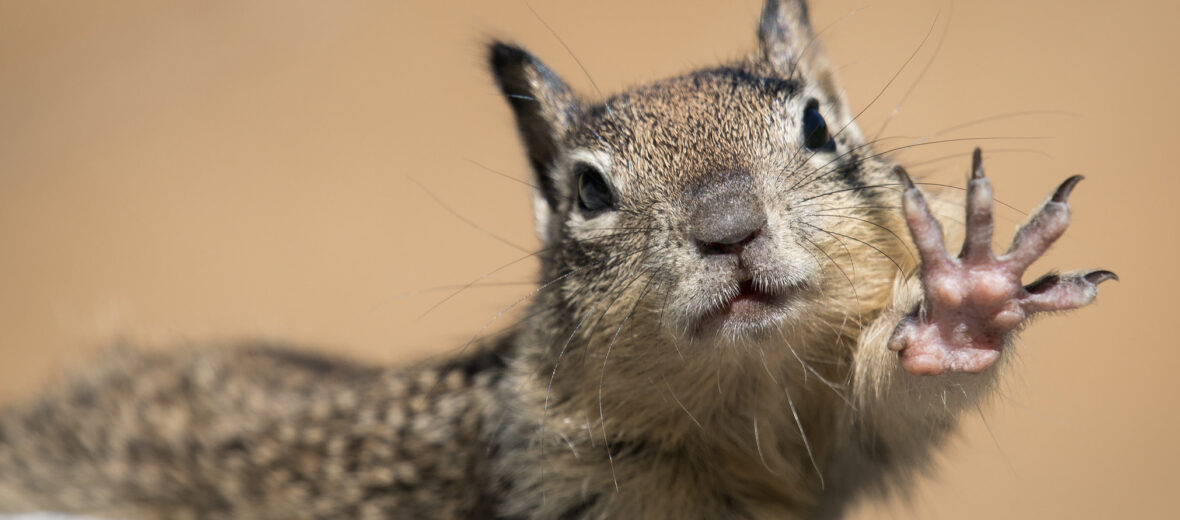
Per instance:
(815,129)
(594,195)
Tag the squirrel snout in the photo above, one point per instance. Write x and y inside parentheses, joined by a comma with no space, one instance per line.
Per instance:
(726,216)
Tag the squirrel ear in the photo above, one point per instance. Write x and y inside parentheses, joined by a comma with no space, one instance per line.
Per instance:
(544,106)
(789,46)
(784,34)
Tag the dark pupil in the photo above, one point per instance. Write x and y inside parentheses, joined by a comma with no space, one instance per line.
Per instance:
(815,129)
(593,193)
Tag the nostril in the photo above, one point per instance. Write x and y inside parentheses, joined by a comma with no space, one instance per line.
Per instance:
(726,214)
(727,247)
(727,228)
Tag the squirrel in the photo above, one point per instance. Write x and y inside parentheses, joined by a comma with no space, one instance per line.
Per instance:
(743,311)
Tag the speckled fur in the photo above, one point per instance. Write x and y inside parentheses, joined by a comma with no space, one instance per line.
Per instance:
(600,404)
(252,431)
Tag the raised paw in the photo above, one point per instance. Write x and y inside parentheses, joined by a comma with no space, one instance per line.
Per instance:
(973,302)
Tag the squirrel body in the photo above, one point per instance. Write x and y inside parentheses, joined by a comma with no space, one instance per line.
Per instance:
(743,311)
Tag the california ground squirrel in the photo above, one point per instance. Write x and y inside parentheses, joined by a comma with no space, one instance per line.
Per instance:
(732,321)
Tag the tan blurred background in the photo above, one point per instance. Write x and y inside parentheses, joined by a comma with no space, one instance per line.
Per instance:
(203,170)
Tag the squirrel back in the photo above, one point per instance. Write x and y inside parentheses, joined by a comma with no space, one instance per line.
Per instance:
(255,430)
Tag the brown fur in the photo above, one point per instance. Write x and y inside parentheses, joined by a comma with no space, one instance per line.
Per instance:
(601,404)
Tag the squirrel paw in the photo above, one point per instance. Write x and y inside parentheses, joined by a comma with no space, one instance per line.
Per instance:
(974,301)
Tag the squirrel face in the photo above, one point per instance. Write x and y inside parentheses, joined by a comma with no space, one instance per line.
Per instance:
(699,200)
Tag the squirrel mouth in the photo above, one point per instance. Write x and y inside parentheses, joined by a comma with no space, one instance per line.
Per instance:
(748,310)
(747,295)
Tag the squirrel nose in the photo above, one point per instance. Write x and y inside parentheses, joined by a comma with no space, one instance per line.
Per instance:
(726,215)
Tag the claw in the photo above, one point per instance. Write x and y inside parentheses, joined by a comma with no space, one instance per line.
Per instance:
(977,244)
(1058,292)
(1063,191)
(1097,277)
(924,228)
(905,177)
(1043,227)
(1050,281)
(977,164)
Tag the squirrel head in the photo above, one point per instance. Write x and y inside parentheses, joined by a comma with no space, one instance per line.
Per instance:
(704,199)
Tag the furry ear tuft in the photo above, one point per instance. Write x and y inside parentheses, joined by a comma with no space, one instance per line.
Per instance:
(784,33)
(788,46)
(544,106)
